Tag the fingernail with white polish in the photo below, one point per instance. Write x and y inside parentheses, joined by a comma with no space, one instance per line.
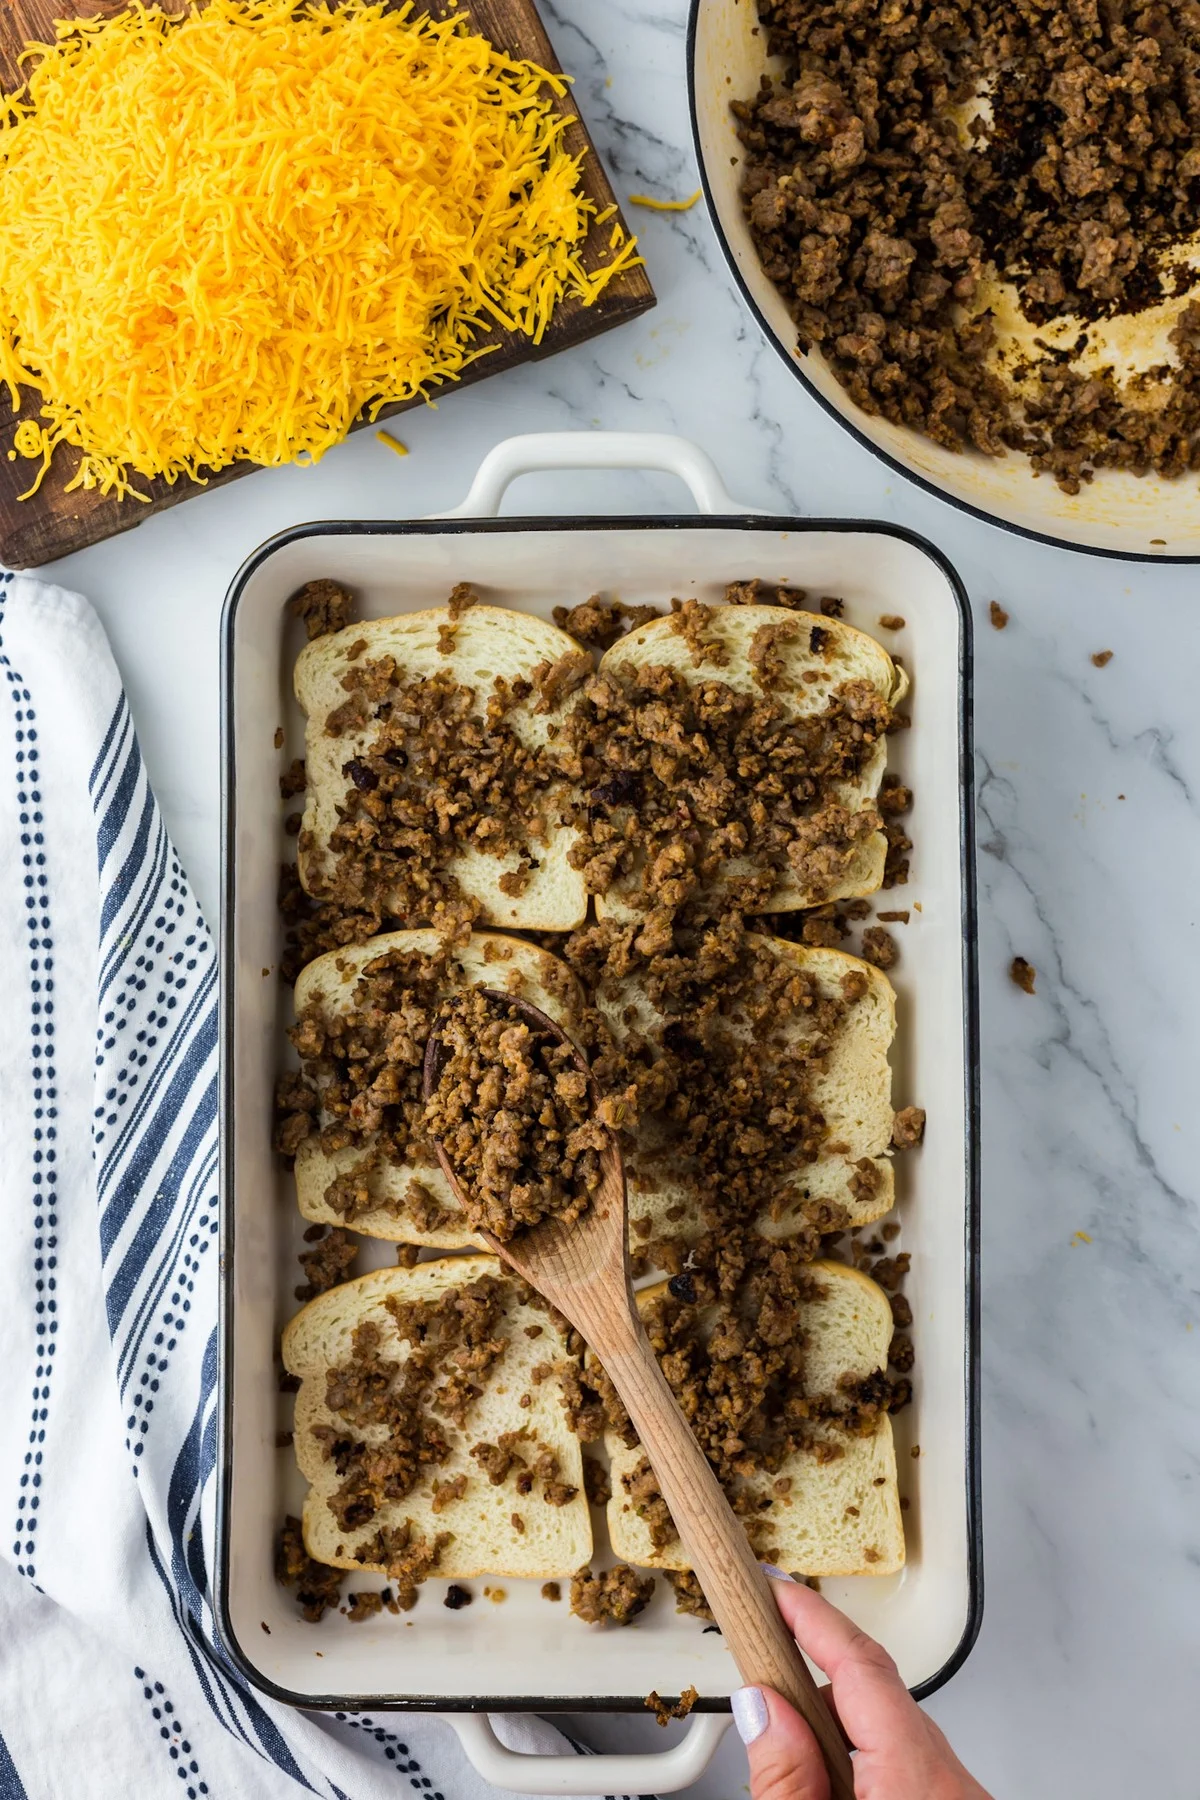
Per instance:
(777,1574)
(749,1713)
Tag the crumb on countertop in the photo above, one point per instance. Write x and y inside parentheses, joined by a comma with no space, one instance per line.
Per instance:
(1022,974)
(997,615)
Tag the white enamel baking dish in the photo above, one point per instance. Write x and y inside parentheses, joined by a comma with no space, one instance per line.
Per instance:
(527,1654)
(1146,517)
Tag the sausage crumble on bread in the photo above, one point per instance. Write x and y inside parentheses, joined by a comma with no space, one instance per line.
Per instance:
(710,1040)
(511,1109)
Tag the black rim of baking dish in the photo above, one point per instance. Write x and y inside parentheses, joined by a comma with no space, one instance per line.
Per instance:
(685,522)
(791,361)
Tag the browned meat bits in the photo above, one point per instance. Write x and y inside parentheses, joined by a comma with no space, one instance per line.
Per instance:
(664,1711)
(908,1127)
(324,606)
(734,1109)
(453,1344)
(679,778)
(729,1109)
(317,1585)
(914,151)
(511,1109)
(327,1264)
(614,1597)
(598,623)
(1022,974)
(367,1065)
(435,780)
(729,1337)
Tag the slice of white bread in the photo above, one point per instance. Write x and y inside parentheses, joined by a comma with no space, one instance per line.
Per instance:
(556,1540)
(840,1517)
(845,654)
(853,1090)
(488,641)
(487,959)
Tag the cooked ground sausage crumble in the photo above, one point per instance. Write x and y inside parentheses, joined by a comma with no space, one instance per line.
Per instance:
(329,1263)
(436,779)
(728,1334)
(711,1080)
(453,1343)
(317,1585)
(701,1071)
(912,149)
(616,1596)
(681,777)
(363,1070)
(664,1711)
(511,1108)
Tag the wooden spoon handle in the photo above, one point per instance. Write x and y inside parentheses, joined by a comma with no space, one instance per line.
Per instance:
(716,1542)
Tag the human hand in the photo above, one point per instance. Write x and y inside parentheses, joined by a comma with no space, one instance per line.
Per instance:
(901,1754)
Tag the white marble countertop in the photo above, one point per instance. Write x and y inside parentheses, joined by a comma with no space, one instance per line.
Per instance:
(1089,860)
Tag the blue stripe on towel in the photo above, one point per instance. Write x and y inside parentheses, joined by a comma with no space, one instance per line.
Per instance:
(130,938)
(154,1130)
(11,1787)
(156,1215)
(118,722)
(180,1263)
(118,807)
(228,1695)
(148,1047)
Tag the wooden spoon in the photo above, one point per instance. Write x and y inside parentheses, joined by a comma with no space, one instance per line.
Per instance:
(582,1268)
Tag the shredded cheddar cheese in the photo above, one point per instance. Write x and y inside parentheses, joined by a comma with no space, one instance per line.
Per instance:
(229,236)
(393,443)
(665,205)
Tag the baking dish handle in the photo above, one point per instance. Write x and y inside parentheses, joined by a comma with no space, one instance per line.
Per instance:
(595,450)
(655,1772)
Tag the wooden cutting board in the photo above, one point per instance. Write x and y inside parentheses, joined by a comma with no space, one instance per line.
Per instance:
(53,523)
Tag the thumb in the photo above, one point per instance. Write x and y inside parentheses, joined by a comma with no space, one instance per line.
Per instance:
(785,1758)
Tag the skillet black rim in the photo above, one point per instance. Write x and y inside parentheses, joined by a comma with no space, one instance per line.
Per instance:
(792,364)
(969,922)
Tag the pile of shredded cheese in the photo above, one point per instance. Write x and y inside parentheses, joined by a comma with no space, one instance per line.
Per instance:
(229,236)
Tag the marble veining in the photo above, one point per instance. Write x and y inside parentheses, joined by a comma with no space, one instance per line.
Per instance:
(1084,1679)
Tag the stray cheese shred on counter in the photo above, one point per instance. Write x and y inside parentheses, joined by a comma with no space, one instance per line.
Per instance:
(228,236)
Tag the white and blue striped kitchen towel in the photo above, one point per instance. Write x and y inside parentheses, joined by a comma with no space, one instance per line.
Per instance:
(110,1680)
